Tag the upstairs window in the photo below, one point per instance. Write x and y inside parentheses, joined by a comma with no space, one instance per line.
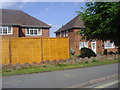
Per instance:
(66,33)
(5,30)
(83,44)
(108,45)
(62,34)
(34,31)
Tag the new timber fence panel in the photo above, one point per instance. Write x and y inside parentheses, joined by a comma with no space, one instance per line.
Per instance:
(0,50)
(25,50)
(29,50)
(5,51)
(55,48)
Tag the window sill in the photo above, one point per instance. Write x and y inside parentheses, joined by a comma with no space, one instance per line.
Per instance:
(109,48)
(6,34)
(33,35)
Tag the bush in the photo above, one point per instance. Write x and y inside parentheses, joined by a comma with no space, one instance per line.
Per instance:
(111,52)
(61,65)
(87,52)
(118,52)
(105,52)
(7,70)
(94,60)
(78,55)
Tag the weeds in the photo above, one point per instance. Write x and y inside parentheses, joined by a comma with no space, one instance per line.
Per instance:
(63,66)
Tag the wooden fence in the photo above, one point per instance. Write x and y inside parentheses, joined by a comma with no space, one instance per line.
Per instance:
(21,50)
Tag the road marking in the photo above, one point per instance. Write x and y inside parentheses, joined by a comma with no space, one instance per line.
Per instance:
(108,84)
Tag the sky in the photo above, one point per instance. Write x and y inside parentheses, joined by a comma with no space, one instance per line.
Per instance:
(55,14)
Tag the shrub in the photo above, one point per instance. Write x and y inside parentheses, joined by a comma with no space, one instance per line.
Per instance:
(78,55)
(87,52)
(105,52)
(7,70)
(94,60)
(86,62)
(61,65)
(111,52)
(118,52)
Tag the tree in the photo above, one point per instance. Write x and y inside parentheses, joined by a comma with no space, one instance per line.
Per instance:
(102,21)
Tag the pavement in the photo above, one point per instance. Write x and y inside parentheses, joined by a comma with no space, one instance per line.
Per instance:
(59,79)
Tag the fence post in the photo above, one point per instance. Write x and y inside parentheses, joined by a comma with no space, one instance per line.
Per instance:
(42,48)
(10,51)
(69,48)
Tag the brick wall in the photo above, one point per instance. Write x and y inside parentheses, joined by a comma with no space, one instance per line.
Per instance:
(45,33)
(75,40)
(21,32)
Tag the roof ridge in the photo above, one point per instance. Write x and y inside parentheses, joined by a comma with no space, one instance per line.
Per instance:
(12,9)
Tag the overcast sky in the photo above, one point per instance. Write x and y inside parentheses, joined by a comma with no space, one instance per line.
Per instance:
(55,14)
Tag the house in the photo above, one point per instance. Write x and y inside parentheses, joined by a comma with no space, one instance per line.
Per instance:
(76,43)
(16,23)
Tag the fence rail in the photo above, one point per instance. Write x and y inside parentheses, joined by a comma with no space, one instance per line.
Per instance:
(21,50)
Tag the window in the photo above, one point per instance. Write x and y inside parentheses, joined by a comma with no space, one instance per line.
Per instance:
(5,30)
(60,34)
(66,33)
(108,45)
(34,31)
(83,44)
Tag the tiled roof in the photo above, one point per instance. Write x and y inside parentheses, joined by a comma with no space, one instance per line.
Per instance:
(18,17)
(74,23)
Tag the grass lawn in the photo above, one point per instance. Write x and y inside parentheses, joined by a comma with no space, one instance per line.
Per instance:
(47,68)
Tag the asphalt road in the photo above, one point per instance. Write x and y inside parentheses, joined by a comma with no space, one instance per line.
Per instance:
(110,83)
(116,85)
(59,79)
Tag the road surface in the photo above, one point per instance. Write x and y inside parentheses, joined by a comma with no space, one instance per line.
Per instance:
(59,79)
(111,83)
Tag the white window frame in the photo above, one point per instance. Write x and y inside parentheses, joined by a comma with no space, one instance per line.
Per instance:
(66,33)
(29,29)
(63,34)
(7,27)
(84,43)
(108,47)
(60,34)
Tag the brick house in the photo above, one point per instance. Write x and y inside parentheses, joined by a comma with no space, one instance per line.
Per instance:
(71,28)
(16,23)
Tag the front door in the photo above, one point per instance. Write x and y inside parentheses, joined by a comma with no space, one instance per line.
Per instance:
(93,46)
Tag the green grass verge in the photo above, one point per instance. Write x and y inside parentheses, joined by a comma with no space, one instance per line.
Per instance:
(57,67)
